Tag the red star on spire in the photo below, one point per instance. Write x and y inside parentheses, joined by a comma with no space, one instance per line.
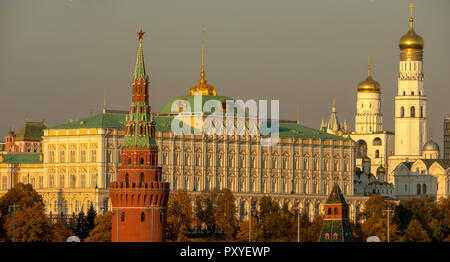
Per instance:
(141,35)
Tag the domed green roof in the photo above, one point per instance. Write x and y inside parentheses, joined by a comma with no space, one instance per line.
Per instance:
(187,103)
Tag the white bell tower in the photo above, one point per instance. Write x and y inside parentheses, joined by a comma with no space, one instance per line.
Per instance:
(410,102)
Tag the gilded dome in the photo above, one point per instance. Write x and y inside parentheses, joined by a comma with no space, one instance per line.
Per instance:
(381,170)
(202,87)
(369,85)
(431,146)
(411,41)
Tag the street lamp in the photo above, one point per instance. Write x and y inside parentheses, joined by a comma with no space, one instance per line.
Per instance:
(117,213)
(299,211)
(388,212)
(13,208)
(157,208)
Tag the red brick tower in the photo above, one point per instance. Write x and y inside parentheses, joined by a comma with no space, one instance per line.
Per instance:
(139,198)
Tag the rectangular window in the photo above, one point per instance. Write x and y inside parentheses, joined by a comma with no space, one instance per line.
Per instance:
(94,155)
(4,183)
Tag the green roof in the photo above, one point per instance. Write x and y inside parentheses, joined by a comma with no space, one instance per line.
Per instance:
(22,158)
(336,196)
(299,131)
(190,99)
(31,131)
(139,71)
(114,121)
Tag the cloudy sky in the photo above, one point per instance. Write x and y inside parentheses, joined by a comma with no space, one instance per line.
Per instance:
(57,57)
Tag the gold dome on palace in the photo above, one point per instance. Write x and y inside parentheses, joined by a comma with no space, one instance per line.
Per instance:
(202,87)
(411,41)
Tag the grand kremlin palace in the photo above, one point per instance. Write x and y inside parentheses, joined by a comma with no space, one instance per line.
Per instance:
(80,158)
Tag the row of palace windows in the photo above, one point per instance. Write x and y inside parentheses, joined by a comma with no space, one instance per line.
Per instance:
(328,165)
(240,185)
(72,181)
(72,156)
(412,111)
(26,180)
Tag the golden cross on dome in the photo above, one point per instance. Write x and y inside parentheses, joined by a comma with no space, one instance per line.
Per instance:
(141,35)
(368,65)
(411,5)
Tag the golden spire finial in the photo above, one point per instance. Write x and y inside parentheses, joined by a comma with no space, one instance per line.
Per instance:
(411,18)
(334,104)
(431,133)
(202,74)
(104,102)
(368,66)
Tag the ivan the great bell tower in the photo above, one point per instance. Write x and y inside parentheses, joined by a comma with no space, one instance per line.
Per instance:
(139,197)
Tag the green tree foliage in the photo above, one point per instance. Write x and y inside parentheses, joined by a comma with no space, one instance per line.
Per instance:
(85,223)
(102,229)
(416,233)
(179,215)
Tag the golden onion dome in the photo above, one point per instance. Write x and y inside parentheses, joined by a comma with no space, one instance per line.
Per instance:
(369,85)
(381,170)
(202,87)
(411,41)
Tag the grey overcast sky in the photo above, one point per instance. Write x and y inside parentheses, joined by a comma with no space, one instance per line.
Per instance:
(57,57)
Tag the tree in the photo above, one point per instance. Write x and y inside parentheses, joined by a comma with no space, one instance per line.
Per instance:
(224,212)
(31,222)
(102,229)
(375,222)
(31,225)
(90,218)
(81,227)
(60,232)
(204,211)
(242,233)
(416,233)
(179,214)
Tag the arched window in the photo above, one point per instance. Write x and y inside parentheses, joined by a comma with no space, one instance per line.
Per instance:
(129,161)
(424,189)
(142,160)
(335,236)
(404,93)
(421,111)
(377,142)
(402,111)
(329,211)
(418,189)
(142,177)
(413,111)
(122,216)
(126,178)
(377,153)
(142,217)
(335,211)
(327,236)
(412,93)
